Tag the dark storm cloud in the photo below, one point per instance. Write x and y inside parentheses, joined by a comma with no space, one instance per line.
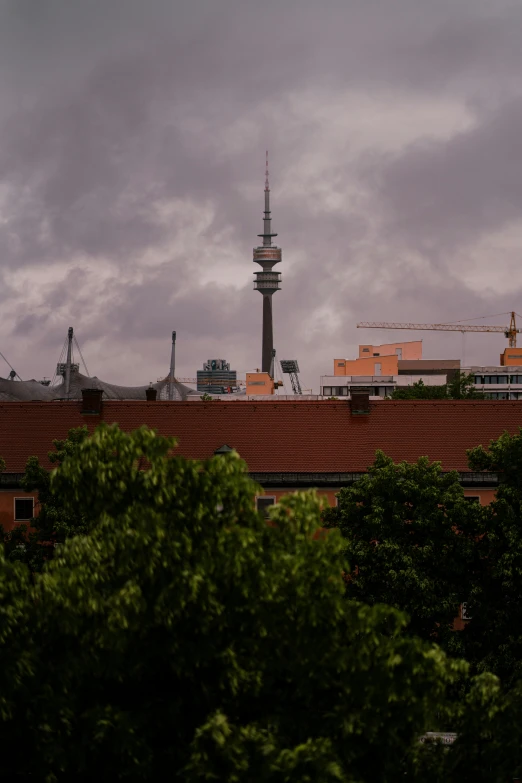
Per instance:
(112,112)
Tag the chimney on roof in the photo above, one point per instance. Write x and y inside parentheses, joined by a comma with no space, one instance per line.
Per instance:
(151,394)
(92,401)
(360,402)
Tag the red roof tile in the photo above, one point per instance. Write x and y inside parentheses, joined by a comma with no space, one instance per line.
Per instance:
(286,436)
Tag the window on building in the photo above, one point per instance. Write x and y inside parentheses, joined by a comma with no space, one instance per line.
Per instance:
(366,350)
(327,391)
(23,508)
(464,612)
(489,379)
(263,504)
(376,354)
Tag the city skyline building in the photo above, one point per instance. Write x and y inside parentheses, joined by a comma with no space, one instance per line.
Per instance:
(267,281)
(216,377)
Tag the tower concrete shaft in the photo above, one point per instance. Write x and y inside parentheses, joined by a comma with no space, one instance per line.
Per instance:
(267,281)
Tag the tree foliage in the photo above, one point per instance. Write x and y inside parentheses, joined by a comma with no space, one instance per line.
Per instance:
(410,539)
(175,630)
(180,632)
(460,387)
(494,637)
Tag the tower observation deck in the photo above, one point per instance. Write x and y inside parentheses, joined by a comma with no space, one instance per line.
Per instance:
(267,281)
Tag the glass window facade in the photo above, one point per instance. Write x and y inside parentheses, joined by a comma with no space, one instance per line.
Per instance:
(488,379)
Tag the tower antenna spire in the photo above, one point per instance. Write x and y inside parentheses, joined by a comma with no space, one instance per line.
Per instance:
(267,234)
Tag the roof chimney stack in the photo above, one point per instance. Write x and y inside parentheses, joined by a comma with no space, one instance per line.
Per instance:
(151,394)
(92,401)
(360,402)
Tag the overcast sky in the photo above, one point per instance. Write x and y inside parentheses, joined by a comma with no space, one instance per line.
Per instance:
(132,144)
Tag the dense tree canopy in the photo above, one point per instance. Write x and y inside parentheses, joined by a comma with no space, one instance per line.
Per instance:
(174,629)
(494,637)
(410,539)
(415,543)
(182,632)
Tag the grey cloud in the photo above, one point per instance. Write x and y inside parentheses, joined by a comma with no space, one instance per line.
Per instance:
(449,193)
(91,144)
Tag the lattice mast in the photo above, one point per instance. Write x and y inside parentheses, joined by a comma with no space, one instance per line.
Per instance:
(267,281)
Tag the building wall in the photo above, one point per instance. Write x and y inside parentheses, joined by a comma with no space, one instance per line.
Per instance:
(7,507)
(259,383)
(380,386)
(388,364)
(511,356)
(406,350)
(486,496)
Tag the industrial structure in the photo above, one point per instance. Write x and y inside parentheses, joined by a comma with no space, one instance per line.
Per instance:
(267,281)
(70,384)
(291,368)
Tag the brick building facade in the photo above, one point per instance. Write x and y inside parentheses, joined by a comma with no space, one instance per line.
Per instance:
(287,445)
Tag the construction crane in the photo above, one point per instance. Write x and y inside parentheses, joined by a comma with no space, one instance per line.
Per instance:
(510,331)
(291,368)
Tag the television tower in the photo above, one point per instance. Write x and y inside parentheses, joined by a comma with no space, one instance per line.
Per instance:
(267,281)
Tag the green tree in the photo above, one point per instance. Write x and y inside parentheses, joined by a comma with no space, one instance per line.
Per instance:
(461,387)
(494,636)
(180,632)
(410,539)
(419,391)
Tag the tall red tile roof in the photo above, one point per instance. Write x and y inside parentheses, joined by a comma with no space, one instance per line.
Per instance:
(285,436)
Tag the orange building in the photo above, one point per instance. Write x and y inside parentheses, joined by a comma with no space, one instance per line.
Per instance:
(259,383)
(378,360)
(408,351)
(511,356)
